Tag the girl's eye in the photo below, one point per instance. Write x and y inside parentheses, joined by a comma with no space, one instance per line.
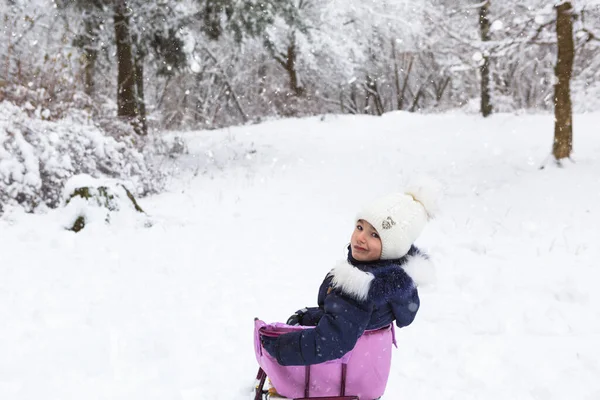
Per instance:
(376,236)
(359,227)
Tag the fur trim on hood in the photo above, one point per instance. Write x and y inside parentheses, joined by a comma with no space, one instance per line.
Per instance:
(351,280)
(416,270)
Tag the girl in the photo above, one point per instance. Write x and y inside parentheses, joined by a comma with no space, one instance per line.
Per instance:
(373,288)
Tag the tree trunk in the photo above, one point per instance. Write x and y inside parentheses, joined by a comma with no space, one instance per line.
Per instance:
(354,98)
(290,67)
(415,104)
(396,75)
(402,93)
(563,118)
(126,98)
(262,76)
(372,92)
(91,55)
(440,87)
(90,67)
(139,84)
(484,28)
(288,61)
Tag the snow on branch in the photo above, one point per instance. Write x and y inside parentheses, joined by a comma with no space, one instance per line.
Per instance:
(478,5)
(589,35)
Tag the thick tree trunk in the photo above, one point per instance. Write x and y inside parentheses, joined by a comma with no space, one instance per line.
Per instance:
(563,118)
(126,97)
(484,28)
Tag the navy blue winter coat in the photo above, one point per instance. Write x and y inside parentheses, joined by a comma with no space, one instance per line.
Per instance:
(355,296)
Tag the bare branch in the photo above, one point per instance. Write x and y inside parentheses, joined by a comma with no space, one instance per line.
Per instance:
(540,29)
(590,35)
(281,58)
(455,37)
(229,85)
(32,21)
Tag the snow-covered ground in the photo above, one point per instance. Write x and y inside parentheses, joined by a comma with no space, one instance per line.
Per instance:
(258,216)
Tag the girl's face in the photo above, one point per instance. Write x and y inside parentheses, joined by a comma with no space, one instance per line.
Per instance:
(365,242)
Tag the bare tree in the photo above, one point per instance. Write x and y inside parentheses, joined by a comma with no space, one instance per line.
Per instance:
(126,94)
(401,90)
(484,28)
(90,52)
(563,118)
(288,60)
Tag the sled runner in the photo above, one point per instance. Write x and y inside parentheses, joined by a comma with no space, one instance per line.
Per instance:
(361,374)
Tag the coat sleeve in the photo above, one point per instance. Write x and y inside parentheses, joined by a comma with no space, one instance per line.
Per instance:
(344,320)
(312,315)
(405,306)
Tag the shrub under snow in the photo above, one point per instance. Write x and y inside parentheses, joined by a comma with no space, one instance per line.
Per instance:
(88,201)
(38,156)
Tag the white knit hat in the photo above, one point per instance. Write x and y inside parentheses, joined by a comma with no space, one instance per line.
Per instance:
(400,218)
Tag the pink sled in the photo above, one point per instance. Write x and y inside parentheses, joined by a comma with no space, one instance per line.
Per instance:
(361,374)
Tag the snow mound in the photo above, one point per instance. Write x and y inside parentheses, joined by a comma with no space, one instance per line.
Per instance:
(90,201)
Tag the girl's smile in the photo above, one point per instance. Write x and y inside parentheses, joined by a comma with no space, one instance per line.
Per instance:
(365,242)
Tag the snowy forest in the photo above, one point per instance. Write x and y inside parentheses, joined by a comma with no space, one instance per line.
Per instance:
(206,64)
(213,63)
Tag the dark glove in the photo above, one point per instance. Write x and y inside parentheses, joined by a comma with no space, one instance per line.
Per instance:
(296,318)
(270,345)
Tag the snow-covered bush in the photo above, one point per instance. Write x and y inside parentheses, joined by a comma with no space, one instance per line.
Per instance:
(165,146)
(38,156)
(89,201)
(43,104)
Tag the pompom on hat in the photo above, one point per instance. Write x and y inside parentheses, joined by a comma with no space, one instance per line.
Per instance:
(400,218)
